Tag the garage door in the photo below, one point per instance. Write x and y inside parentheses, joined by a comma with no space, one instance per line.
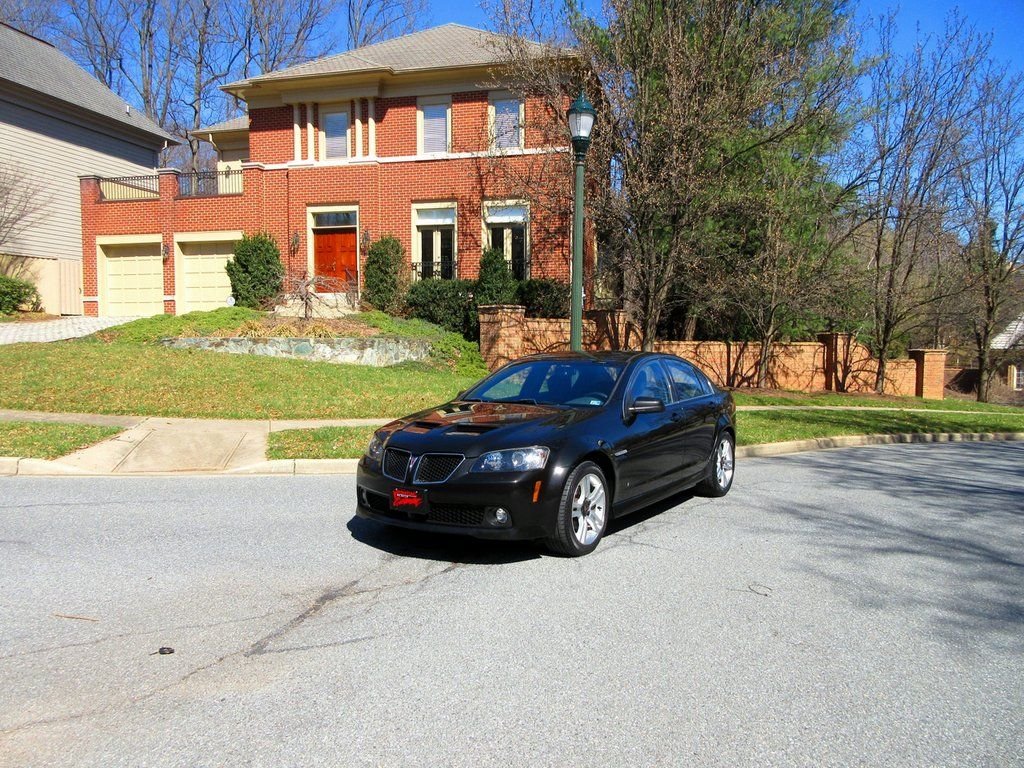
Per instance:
(134,280)
(205,279)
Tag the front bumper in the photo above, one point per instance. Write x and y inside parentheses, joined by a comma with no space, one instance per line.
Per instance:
(465,504)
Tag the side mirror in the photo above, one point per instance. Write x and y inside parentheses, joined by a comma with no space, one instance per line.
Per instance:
(647,405)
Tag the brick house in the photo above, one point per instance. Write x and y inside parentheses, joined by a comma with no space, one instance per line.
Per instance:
(409,137)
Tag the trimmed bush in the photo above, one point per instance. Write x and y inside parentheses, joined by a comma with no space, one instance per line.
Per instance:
(16,293)
(447,303)
(256,272)
(545,298)
(386,275)
(495,285)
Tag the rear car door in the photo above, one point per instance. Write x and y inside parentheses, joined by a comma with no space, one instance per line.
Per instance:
(693,411)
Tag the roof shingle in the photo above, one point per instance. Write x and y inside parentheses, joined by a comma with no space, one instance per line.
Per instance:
(34,64)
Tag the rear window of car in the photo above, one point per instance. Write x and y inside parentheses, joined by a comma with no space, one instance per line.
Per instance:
(582,384)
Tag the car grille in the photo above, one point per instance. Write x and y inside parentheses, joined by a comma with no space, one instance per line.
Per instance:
(437,467)
(396,464)
(456,514)
(378,502)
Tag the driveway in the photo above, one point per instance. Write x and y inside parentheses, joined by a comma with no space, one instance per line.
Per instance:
(56,330)
(850,607)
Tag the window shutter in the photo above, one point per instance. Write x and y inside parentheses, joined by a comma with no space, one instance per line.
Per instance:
(336,134)
(506,124)
(435,128)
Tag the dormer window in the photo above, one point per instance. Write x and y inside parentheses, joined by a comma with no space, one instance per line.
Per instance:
(434,124)
(334,134)
(506,119)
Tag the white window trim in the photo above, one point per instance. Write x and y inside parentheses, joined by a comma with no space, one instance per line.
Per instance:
(311,221)
(507,244)
(417,254)
(492,136)
(327,109)
(429,101)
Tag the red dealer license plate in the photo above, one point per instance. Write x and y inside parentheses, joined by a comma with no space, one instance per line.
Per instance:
(401,497)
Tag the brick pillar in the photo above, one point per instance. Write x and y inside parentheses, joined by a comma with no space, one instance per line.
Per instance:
(501,333)
(931,372)
(170,188)
(89,190)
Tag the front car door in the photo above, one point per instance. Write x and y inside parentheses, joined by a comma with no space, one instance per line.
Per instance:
(646,452)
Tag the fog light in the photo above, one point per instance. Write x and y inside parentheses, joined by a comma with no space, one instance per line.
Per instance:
(501,516)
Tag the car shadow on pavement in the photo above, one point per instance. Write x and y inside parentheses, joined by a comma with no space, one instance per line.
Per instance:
(445,548)
(955,537)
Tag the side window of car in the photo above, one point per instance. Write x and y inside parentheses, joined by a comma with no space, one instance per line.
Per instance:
(685,381)
(650,381)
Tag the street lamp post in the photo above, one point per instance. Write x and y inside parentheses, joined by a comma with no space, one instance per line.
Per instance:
(581,123)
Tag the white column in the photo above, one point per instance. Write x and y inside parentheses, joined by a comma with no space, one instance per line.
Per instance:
(297,130)
(309,131)
(371,106)
(359,126)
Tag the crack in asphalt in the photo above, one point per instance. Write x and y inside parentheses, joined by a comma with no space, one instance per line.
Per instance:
(260,647)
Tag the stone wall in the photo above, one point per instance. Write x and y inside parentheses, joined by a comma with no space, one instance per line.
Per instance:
(836,362)
(374,350)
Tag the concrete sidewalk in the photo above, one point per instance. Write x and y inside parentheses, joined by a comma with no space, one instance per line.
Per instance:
(156,446)
(162,446)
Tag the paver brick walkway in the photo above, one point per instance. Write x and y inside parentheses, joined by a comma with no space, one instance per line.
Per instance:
(56,330)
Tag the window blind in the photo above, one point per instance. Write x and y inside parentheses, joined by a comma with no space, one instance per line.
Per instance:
(435,128)
(336,134)
(506,124)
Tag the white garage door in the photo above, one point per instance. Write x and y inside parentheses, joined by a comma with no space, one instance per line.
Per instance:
(205,279)
(134,280)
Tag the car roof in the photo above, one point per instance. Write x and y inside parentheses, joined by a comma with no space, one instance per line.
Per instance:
(617,356)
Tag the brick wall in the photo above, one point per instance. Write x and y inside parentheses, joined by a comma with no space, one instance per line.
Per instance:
(834,363)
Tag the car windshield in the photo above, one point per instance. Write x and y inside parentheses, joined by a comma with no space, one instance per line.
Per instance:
(577,384)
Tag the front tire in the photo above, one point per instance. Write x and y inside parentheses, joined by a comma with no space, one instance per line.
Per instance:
(721,468)
(583,512)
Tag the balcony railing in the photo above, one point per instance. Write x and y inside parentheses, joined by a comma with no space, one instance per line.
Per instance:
(130,188)
(210,183)
(446,269)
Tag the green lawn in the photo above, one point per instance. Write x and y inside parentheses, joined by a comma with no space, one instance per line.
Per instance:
(752,427)
(92,377)
(861,400)
(47,440)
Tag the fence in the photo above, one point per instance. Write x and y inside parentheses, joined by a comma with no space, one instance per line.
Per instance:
(130,188)
(835,362)
(210,183)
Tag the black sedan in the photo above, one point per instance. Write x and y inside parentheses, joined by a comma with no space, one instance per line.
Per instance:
(551,447)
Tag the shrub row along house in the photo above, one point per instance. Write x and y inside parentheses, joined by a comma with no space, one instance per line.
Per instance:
(413,137)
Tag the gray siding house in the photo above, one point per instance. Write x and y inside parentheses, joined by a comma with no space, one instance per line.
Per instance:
(57,123)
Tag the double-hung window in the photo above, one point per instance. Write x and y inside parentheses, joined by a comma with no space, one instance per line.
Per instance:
(507,226)
(434,253)
(506,115)
(434,123)
(335,134)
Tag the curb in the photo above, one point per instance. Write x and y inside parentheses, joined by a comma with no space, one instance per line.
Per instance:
(11,466)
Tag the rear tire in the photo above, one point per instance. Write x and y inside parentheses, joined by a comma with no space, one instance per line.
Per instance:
(583,512)
(721,468)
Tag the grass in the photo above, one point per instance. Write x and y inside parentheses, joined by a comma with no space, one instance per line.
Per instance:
(753,427)
(863,400)
(151,329)
(90,377)
(47,440)
(322,443)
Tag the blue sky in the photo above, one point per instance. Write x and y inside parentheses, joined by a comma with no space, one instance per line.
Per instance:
(1003,18)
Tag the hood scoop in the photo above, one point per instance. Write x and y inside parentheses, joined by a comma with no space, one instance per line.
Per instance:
(468,428)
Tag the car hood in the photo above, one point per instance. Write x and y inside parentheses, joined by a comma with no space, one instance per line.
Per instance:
(472,428)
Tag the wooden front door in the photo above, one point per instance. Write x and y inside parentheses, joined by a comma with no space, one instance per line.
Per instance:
(335,255)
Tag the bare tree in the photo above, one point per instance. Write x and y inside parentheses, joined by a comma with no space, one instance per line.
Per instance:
(909,153)
(991,174)
(36,17)
(21,201)
(370,21)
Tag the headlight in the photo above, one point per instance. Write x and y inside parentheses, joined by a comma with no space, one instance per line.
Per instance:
(513,460)
(376,447)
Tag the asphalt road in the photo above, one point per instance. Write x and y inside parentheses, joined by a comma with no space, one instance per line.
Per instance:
(854,607)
